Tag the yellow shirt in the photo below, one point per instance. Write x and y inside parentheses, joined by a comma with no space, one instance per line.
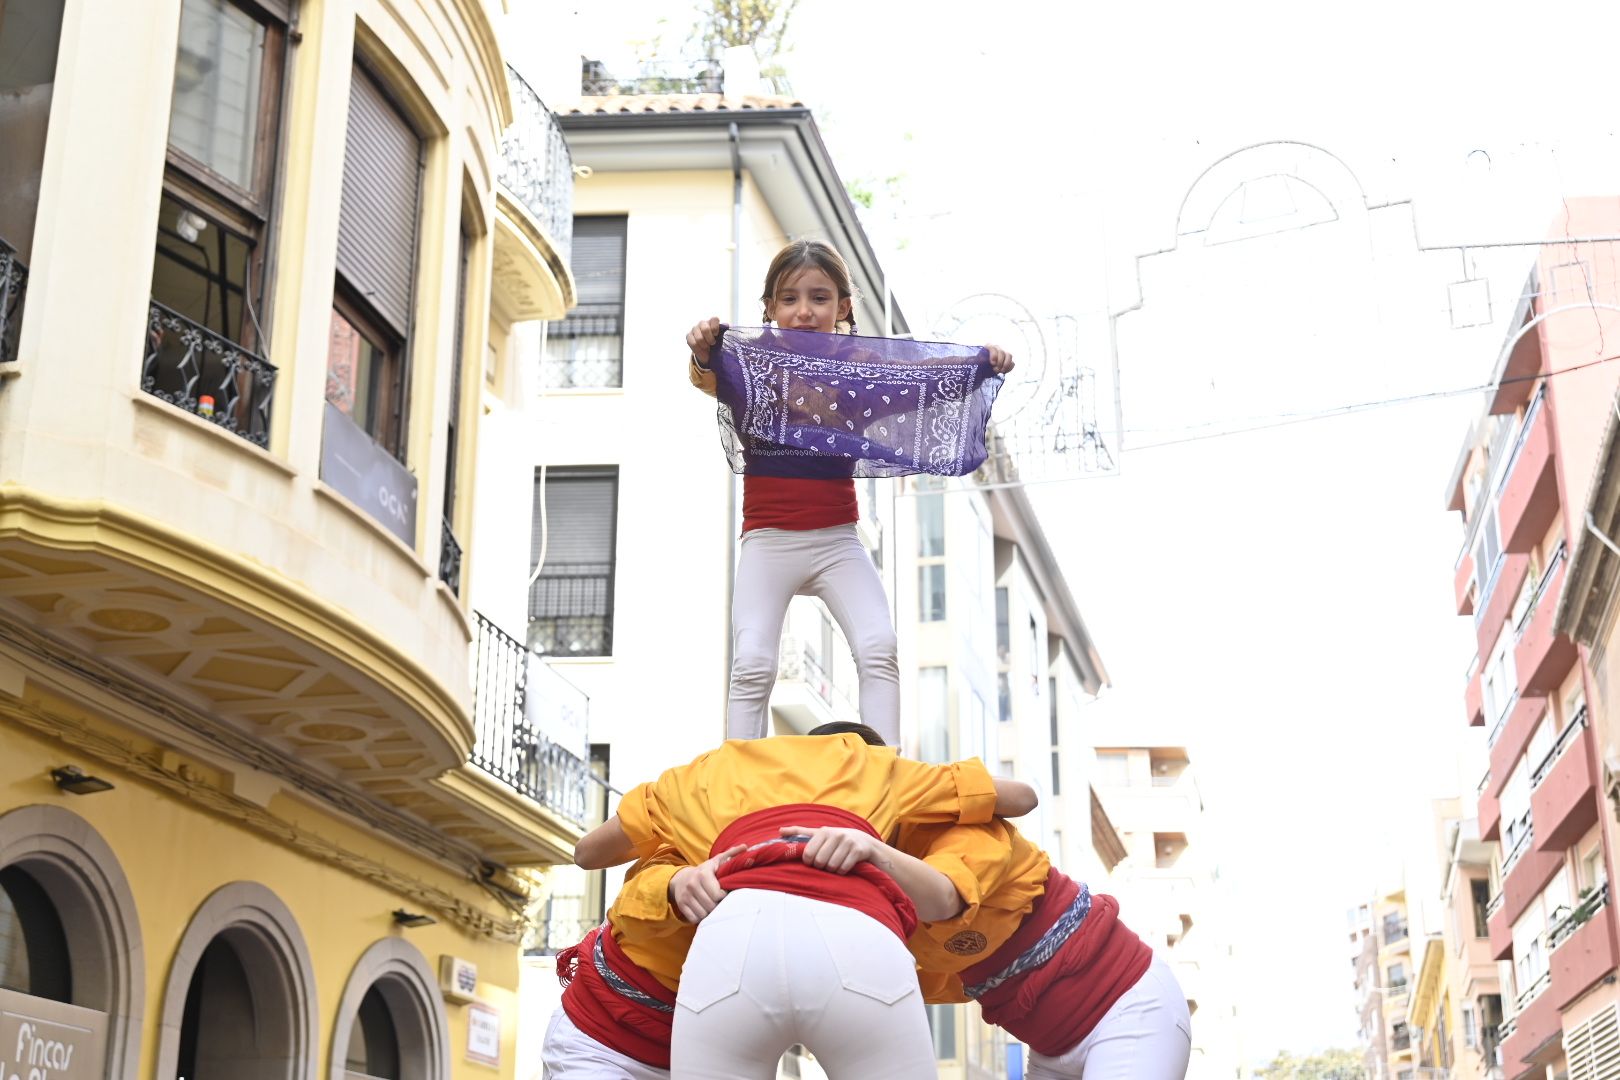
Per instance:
(688,806)
(646,925)
(999,875)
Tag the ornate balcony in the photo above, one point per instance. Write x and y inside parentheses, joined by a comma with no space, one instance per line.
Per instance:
(1527,499)
(450,560)
(209,376)
(534,222)
(13,289)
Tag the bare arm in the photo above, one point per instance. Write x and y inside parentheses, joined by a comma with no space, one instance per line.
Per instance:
(608,845)
(1014,798)
(839,850)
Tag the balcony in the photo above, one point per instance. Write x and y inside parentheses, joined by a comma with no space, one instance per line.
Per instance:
(1499,929)
(1527,500)
(13,290)
(534,223)
(1583,948)
(1543,656)
(1474,696)
(1526,869)
(1517,727)
(1563,789)
(1533,1031)
(1500,593)
(1463,583)
(805,696)
(210,377)
(1489,811)
(531,736)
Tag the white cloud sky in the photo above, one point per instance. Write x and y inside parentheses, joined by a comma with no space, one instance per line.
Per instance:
(1283,596)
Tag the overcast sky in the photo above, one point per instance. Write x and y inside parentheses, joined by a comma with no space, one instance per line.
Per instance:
(1280,599)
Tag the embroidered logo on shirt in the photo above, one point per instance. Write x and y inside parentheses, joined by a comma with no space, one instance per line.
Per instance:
(966,943)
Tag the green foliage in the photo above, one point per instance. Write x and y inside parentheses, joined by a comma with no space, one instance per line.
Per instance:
(1328,1065)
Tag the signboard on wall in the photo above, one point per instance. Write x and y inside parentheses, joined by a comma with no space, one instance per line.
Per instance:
(483,1035)
(367,475)
(47,1040)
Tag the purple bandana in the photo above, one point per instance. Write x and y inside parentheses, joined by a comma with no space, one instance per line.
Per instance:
(801,404)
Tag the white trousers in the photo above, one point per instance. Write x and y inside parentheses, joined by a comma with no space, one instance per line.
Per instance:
(768,970)
(570,1054)
(1147,1035)
(774,566)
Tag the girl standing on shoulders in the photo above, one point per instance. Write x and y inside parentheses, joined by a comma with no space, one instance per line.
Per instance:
(799,535)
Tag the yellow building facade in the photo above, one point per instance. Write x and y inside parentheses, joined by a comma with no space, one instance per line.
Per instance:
(260,265)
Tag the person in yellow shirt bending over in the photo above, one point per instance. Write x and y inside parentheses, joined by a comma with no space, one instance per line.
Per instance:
(803,929)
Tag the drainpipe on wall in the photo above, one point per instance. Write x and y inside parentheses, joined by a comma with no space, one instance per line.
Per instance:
(736,313)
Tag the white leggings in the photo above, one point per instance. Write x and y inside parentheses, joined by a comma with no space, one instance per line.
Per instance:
(768,970)
(777,564)
(1147,1035)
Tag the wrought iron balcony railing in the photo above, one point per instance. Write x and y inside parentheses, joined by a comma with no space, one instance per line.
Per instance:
(1590,905)
(520,707)
(13,287)
(209,376)
(450,560)
(536,165)
(1571,732)
(571,610)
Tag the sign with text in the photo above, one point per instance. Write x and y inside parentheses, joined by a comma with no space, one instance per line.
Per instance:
(483,1035)
(47,1040)
(367,475)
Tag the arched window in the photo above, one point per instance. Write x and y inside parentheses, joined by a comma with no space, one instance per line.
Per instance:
(33,944)
(68,928)
(240,1000)
(391,1020)
(373,1043)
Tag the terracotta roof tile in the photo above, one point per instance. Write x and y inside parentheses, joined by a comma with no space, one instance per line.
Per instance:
(670,103)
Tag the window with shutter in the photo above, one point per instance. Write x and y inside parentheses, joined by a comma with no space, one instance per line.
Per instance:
(366,376)
(586,350)
(575,525)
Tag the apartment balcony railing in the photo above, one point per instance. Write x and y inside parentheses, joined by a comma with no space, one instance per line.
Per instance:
(1493,905)
(536,165)
(515,695)
(1521,844)
(13,287)
(1394,933)
(1565,928)
(571,610)
(666,77)
(450,560)
(1534,990)
(1530,416)
(1566,739)
(209,376)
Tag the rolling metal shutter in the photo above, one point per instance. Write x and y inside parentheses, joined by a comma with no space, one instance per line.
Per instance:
(381,186)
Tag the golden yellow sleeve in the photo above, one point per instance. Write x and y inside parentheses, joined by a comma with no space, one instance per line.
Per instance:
(642,909)
(703,378)
(968,887)
(959,792)
(643,817)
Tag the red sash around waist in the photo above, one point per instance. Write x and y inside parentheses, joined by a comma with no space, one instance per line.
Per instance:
(772,862)
(1057,1004)
(614,1016)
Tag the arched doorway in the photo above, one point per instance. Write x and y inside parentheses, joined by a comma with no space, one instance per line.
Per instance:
(240,999)
(71,971)
(391,1023)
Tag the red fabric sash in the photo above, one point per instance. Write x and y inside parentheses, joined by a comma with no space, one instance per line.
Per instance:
(771,502)
(606,1015)
(1057,1004)
(773,863)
